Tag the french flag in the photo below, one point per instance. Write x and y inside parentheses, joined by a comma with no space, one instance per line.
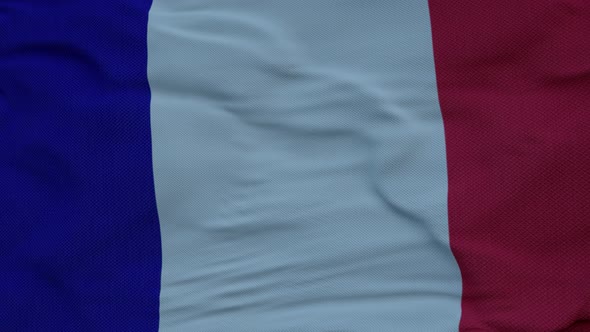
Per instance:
(286,166)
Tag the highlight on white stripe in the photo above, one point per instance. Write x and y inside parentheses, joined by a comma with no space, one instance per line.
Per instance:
(299,166)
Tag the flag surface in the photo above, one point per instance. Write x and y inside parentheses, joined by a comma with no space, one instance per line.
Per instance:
(200,165)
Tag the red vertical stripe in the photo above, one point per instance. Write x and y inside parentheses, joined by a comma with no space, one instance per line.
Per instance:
(514,85)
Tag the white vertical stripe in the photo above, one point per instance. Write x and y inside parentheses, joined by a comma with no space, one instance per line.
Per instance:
(300,167)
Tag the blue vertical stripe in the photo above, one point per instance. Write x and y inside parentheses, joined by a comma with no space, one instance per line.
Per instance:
(79,233)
